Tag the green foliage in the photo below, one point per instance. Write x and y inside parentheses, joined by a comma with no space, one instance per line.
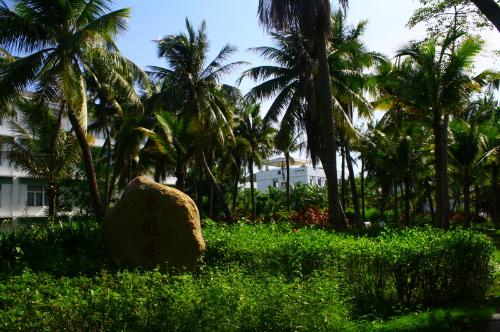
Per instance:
(68,249)
(253,277)
(395,270)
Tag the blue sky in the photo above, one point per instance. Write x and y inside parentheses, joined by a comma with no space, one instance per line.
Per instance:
(235,22)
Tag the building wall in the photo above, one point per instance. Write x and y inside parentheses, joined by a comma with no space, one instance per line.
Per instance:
(14,183)
(277,177)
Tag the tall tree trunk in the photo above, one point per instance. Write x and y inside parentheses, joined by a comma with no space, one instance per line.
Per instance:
(466,189)
(386,189)
(287,161)
(210,162)
(180,172)
(354,190)
(112,184)
(431,207)
(363,206)
(477,202)
(52,192)
(342,177)
(491,10)
(396,203)
(328,138)
(252,188)
(441,165)
(200,190)
(217,188)
(495,211)
(109,148)
(89,165)
(407,199)
(237,175)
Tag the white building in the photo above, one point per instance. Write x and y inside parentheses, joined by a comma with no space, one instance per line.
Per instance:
(301,171)
(21,195)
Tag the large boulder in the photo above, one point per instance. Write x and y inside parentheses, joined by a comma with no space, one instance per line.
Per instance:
(154,225)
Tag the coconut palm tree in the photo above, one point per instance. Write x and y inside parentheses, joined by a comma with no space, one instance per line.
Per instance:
(191,87)
(58,42)
(176,139)
(433,82)
(259,136)
(348,61)
(311,18)
(287,142)
(465,150)
(42,148)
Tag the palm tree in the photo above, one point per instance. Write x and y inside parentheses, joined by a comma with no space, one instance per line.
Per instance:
(259,136)
(465,148)
(348,60)
(288,142)
(174,138)
(312,19)
(433,82)
(192,88)
(42,149)
(59,41)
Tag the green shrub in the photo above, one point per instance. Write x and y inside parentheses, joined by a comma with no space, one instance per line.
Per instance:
(393,271)
(67,249)
(215,301)
(379,275)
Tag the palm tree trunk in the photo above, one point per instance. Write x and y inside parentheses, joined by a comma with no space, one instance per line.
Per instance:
(217,188)
(237,175)
(441,165)
(495,211)
(328,148)
(396,203)
(52,192)
(466,189)
(491,10)
(109,148)
(363,207)
(180,173)
(89,165)
(386,189)
(210,163)
(431,208)
(342,177)
(354,190)
(477,202)
(287,160)
(200,191)
(252,188)
(407,199)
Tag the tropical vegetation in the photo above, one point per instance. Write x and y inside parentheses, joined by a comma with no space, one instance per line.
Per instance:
(409,144)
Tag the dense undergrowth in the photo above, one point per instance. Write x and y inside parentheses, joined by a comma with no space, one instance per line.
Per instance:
(252,277)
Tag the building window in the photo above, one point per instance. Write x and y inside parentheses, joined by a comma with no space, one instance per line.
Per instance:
(319,182)
(36,196)
(275,183)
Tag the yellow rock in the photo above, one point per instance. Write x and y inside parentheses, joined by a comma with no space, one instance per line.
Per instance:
(154,225)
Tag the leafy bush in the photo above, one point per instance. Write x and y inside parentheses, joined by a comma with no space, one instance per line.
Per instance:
(395,270)
(215,301)
(67,249)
